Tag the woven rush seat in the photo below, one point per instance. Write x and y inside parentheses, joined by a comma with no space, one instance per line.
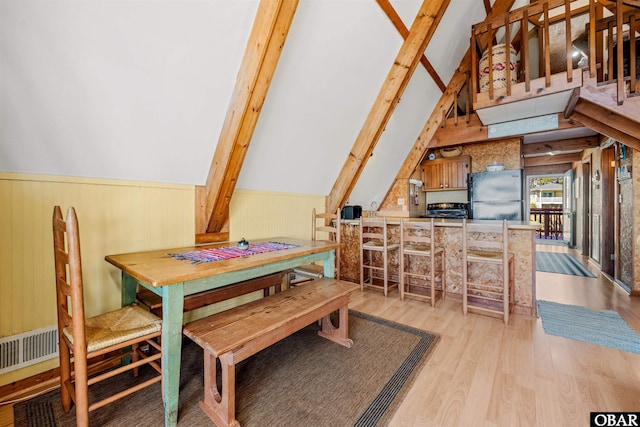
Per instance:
(488,256)
(376,245)
(420,249)
(117,326)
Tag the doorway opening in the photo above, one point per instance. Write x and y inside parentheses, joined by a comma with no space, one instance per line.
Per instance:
(546,202)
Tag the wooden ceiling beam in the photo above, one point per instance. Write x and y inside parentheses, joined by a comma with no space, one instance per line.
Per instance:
(270,28)
(404,65)
(559,168)
(552,160)
(391,13)
(607,122)
(466,133)
(559,146)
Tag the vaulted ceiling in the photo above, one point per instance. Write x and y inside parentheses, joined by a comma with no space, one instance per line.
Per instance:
(338,98)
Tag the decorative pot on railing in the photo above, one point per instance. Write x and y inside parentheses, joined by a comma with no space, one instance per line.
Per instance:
(499,64)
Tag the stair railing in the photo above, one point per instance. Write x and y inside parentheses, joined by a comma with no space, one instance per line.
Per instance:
(515,27)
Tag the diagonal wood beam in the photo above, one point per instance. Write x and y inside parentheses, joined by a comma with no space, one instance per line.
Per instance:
(270,28)
(404,65)
(445,102)
(607,122)
(404,32)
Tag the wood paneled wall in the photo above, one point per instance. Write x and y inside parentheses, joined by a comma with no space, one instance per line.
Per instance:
(115,217)
(260,214)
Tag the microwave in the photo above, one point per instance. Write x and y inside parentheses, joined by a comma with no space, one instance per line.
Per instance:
(351,212)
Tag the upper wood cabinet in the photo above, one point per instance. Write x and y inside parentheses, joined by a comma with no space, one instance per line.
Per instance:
(446,173)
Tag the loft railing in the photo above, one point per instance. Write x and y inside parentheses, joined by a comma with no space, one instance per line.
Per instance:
(551,220)
(598,49)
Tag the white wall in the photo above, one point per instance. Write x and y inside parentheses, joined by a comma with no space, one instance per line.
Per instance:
(139,89)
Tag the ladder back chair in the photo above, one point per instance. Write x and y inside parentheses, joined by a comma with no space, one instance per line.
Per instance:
(329,223)
(485,249)
(95,344)
(419,271)
(374,239)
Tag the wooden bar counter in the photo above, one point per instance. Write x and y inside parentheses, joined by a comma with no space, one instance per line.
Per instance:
(522,244)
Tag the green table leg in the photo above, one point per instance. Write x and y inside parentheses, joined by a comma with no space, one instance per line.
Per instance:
(128,289)
(330,265)
(172,304)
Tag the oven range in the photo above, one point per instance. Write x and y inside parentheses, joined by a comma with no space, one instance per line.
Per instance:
(447,210)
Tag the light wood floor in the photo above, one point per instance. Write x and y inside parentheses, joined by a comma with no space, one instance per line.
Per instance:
(483,373)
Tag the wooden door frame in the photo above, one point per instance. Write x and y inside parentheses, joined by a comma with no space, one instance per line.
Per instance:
(586,207)
(610,212)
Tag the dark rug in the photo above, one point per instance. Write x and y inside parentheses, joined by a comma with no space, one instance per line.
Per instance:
(562,263)
(301,380)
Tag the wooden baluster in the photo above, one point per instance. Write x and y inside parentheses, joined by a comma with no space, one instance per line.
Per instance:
(490,58)
(592,38)
(507,52)
(619,53)
(547,49)
(569,47)
(470,96)
(610,51)
(632,53)
(455,109)
(524,50)
(474,70)
(599,43)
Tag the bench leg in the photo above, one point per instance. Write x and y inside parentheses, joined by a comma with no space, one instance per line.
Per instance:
(340,334)
(220,408)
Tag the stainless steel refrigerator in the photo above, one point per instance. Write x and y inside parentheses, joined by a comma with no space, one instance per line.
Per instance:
(496,195)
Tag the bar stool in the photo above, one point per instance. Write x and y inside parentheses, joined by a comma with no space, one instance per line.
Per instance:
(374,239)
(487,244)
(315,271)
(417,243)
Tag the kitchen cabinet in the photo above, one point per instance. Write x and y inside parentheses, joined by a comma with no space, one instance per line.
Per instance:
(446,173)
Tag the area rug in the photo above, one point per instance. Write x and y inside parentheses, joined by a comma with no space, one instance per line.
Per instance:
(303,380)
(558,262)
(604,328)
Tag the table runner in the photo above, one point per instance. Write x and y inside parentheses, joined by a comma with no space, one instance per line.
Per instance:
(228,252)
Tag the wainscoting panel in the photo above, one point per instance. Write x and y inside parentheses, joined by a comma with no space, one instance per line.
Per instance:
(115,217)
(260,214)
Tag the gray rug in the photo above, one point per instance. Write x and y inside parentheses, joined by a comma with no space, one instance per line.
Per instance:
(562,263)
(604,327)
(301,380)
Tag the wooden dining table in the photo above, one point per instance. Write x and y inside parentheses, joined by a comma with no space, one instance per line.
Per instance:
(173,279)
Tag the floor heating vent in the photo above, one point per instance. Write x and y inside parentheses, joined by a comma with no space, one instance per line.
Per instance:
(21,350)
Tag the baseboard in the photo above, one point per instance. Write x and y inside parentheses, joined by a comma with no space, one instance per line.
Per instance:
(29,386)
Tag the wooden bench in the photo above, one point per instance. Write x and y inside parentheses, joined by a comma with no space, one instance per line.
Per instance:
(233,335)
(202,299)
